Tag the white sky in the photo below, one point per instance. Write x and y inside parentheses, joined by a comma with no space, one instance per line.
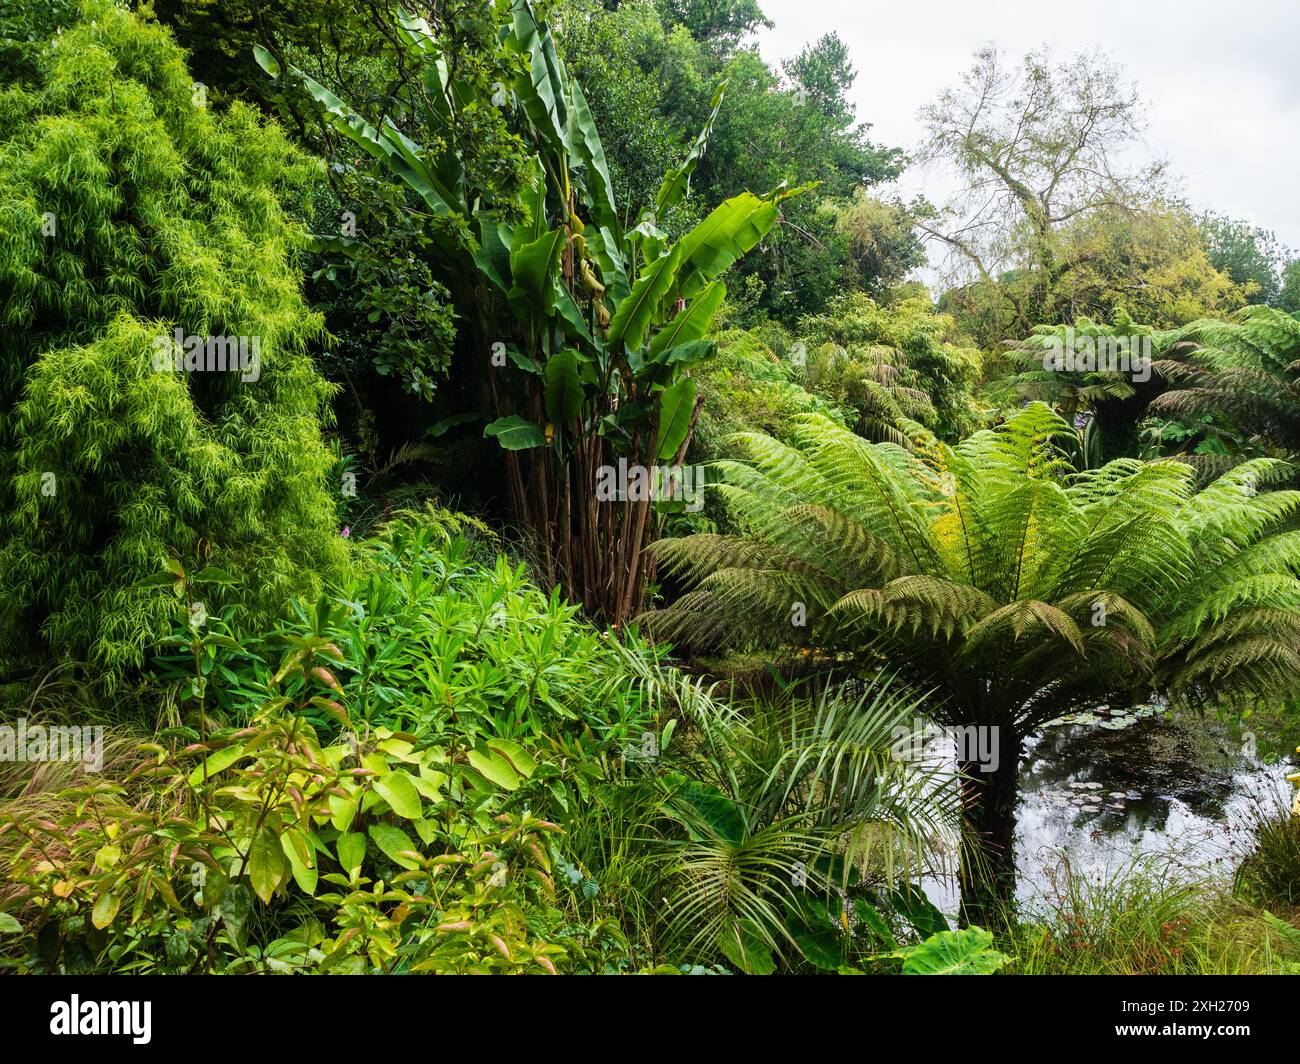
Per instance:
(1222,81)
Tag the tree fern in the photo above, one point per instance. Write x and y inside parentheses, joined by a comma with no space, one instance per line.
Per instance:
(993,573)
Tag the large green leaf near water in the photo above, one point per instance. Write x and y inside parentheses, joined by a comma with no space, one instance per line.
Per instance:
(965,952)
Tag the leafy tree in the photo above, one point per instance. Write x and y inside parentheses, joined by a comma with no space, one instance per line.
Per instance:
(1288,298)
(586,332)
(1034,149)
(219,36)
(722,24)
(651,88)
(1147,265)
(130,212)
(875,241)
(993,574)
(882,361)
(1251,256)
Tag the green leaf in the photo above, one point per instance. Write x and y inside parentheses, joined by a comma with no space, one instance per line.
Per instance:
(392,842)
(266,864)
(540,87)
(636,313)
(515,433)
(709,814)
(520,759)
(302,859)
(235,905)
(693,321)
(871,916)
(677,182)
(685,355)
(584,145)
(608,253)
(911,903)
(733,228)
(222,759)
(398,790)
(563,387)
(965,952)
(533,267)
(493,767)
(9,925)
(343,811)
(105,910)
(747,951)
(390,146)
(351,849)
(676,408)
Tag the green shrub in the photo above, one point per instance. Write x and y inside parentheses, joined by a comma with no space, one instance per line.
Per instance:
(131,210)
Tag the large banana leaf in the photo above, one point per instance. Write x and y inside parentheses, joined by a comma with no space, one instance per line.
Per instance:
(585,146)
(692,322)
(399,154)
(636,313)
(541,87)
(563,388)
(675,410)
(677,182)
(533,266)
(733,228)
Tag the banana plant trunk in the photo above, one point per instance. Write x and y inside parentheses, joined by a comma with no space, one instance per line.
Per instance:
(988,858)
(593,549)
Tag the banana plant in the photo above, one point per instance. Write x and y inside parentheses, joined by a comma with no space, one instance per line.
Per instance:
(588,329)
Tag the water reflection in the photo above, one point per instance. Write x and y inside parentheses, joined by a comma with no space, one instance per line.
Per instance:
(1105,797)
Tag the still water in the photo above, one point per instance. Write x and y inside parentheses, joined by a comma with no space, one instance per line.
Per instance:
(1173,791)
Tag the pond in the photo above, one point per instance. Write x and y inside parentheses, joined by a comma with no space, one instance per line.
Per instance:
(1105,788)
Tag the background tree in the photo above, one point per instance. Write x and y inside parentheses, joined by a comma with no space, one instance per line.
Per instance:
(1288,298)
(1251,256)
(650,82)
(1034,149)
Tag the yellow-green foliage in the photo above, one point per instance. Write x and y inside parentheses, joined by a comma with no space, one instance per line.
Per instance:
(889,361)
(130,209)
(750,386)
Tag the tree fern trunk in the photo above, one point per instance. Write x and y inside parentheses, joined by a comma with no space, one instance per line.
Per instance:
(988,872)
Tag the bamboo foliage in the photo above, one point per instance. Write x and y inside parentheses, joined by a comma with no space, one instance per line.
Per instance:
(127,210)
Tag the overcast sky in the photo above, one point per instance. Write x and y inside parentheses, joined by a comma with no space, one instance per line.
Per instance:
(1222,81)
